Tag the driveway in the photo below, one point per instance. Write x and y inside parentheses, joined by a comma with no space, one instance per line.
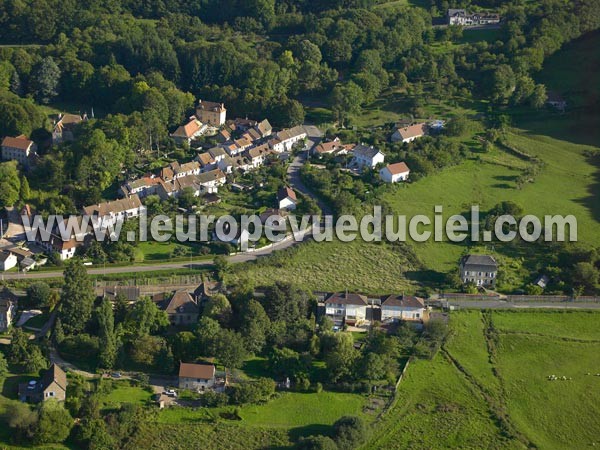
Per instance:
(314,137)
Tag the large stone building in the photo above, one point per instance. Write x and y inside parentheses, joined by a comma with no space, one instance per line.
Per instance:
(211,113)
(480,270)
(18,148)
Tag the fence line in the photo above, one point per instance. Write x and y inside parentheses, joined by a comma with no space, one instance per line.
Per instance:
(394,396)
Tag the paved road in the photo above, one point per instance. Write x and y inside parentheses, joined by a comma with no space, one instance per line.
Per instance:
(500,304)
(238,258)
(314,137)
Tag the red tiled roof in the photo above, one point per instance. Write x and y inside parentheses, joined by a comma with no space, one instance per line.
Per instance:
(20,142)
(189,129)
(201,371)
(412,131)
(397,168)
(286,192)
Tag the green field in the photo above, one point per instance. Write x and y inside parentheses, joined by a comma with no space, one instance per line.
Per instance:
(310,410)
(123,392)
(490,389)
(333,266)
(273,424)
(567,184)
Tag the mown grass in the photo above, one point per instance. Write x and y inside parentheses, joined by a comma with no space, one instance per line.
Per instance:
(124,392)
(313,411)
(468,346)
(566,185)
(558,324)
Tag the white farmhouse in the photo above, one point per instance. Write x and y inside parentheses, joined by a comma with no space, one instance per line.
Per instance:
(196,377)
(193,129)
(392,173)
(18,148)
(410,133)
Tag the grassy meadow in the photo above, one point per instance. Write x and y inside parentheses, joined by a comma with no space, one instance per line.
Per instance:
(333,266)
(489,387)
(568,183)
(275,424)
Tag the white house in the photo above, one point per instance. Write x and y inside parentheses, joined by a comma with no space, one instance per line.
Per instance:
(402,307)
(334,147)
(111,212)
(184,170)
(346,308)
(210,181)
(392,173)
(142,186)
(365,156)
(286,199)
(7,261)
(257,155)
(288,138)
(65,249)
(462,18)
(207,162)
(196,377)
(410,133)
(191,130)
(18,148)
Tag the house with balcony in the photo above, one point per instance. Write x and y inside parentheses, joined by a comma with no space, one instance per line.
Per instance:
(346,308)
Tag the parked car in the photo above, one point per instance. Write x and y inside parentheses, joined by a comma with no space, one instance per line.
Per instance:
(171,392)
(116,375)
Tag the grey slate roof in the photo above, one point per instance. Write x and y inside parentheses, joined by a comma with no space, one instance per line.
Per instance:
(347,299)
(403,301)
(365,151)
(479,263)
